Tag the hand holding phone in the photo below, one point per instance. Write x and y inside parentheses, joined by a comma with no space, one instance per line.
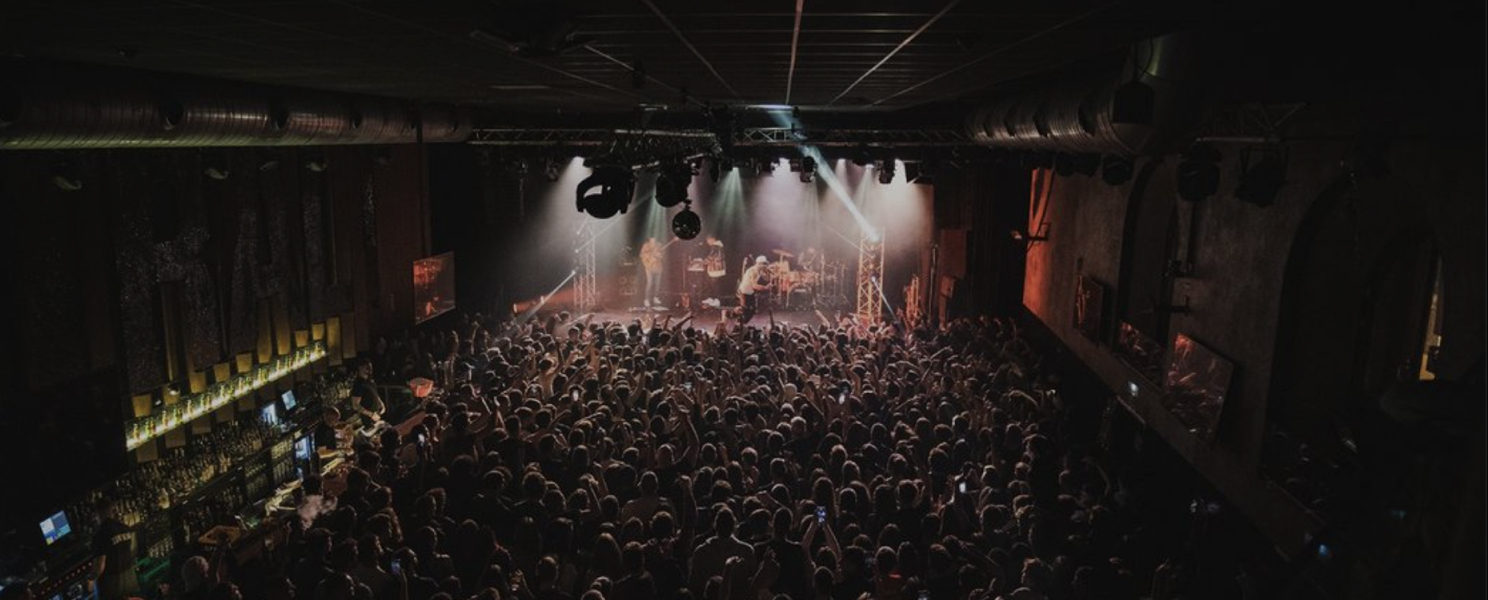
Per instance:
(962,486)
(821,515)
(397,568)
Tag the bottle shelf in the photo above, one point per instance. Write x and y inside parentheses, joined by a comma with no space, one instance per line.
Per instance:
(220,394)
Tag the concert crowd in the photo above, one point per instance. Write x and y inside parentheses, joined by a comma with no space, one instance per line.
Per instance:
(570,459)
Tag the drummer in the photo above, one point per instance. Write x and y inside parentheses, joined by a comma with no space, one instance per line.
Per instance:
(811,259)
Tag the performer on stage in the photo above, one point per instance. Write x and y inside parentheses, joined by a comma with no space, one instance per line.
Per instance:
(651,253)
(750,283)
(811,260)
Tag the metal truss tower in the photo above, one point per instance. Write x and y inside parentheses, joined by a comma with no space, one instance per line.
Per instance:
(870,274)
(586,293)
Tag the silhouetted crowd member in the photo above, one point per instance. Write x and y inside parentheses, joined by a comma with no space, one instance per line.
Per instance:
(609,461)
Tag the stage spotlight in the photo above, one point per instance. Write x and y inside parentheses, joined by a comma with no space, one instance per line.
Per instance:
(615,188)
(686,225)
(886,172)
(763,166)
(808,169)
(862,157)
(922,172)
(317,163)
(1084,164)
(1262,180)
(671,185)
(911,171)
(1064,165)
(1198,174)
(1116,170)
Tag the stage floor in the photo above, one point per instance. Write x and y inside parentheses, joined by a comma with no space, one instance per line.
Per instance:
(708,318)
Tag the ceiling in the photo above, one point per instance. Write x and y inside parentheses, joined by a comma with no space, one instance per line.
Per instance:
(846,55)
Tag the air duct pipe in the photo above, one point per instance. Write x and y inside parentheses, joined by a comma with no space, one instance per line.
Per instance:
(108,110)
(1151,106)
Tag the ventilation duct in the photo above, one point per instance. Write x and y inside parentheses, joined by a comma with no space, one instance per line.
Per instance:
(113,111)
(1081,117)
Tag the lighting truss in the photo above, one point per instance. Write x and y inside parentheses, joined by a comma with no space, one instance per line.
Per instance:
(586,291)
(870,273)
(1250,123)
(790,136)
(706,140)
(540,137)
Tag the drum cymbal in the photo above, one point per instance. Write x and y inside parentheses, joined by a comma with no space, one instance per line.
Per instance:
(783,253)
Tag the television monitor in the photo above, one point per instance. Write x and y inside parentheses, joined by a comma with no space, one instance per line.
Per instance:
(270,414)
(288,398)
(433,286)
(1196,382)
(55,528)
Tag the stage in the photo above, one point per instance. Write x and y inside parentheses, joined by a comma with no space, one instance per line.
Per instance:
(708,318)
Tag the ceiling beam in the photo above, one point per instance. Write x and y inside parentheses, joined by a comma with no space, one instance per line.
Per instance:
(632,69)
(1001,49)
(952,4)
(695,52)
(790,76)
(467,40)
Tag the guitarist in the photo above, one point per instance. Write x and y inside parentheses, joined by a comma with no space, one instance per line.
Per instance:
(651,255)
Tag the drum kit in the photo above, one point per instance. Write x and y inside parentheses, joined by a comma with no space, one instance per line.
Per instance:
(820,282)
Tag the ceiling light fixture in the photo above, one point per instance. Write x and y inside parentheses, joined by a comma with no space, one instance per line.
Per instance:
(1198,174)
(686,225)
(1116,169)
(886,172)
(671,185)
(615,185)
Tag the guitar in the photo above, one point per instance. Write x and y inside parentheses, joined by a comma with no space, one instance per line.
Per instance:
(651,255)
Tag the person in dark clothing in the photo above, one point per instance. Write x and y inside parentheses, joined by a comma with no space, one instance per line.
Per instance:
(365,399)
(795,567)
(637,583)
(325,432)
(113,555)
(313,568)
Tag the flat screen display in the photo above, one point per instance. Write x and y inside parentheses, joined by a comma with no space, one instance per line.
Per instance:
(270,414)
(304,448)
(289,401)
(55,528)
(1196,383)
(433,286)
